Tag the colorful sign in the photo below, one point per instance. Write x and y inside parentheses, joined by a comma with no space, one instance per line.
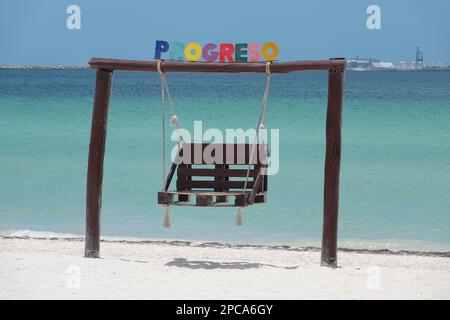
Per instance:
(223,52)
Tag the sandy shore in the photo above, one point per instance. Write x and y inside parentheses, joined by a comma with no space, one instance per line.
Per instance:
(55,269)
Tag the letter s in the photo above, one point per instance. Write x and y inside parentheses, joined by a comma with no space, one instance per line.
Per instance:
(253,50)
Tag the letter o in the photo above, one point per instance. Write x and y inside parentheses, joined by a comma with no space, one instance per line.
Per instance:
(270,46)
(193,46)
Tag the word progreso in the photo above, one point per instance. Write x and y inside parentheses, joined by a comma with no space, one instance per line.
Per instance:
(224,52)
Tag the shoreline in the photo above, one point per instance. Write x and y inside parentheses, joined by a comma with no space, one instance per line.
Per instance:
(365,247)
(200,244)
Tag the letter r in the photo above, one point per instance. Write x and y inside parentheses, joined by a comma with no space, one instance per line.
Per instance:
(226,52)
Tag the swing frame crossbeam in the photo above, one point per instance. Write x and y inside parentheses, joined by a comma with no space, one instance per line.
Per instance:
(105,69)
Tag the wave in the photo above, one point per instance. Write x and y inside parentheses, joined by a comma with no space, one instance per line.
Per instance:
(38,234)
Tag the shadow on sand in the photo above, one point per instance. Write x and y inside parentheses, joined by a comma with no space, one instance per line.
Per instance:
(184,263)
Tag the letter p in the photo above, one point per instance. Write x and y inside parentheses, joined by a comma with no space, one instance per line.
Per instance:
(160,47)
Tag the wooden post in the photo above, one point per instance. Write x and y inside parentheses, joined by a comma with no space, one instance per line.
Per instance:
(95,164)
(332,168)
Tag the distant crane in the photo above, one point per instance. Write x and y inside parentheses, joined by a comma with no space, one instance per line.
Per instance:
(419,59)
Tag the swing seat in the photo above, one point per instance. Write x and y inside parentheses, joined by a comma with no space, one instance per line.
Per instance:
(214,175)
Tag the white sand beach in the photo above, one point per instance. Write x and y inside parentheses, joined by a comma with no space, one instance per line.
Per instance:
(56,269)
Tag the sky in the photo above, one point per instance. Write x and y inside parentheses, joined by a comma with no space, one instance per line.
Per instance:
(34,32)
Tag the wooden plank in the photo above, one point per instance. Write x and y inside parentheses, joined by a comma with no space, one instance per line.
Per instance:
(184,198)
(332,168)
(200,172)
(206,192)
(203,200)
(200,66)
(214,204)
(182,183)
(95,163)
(165,198)
(261,197)
(241,200)
(232,154)
(225,199)
(220,178)
(194,184)
(220,199)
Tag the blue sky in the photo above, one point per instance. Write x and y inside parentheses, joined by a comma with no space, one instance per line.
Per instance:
(34,32)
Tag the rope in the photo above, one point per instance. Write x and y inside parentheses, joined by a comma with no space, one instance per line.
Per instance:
(261,120)
(268,73)
(174,122)
(166,216)
(173,119)
(239,213)
(163,115)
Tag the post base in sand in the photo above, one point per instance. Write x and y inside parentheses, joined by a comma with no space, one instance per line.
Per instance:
(92,254)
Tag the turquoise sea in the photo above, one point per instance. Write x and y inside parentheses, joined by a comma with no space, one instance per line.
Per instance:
(395,178)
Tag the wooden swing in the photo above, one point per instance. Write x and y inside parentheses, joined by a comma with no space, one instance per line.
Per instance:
(214,183)
(216,175)
(105,69)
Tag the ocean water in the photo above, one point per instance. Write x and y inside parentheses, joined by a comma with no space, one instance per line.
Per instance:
(395,177)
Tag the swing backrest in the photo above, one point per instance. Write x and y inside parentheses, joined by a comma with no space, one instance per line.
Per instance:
(221,167)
